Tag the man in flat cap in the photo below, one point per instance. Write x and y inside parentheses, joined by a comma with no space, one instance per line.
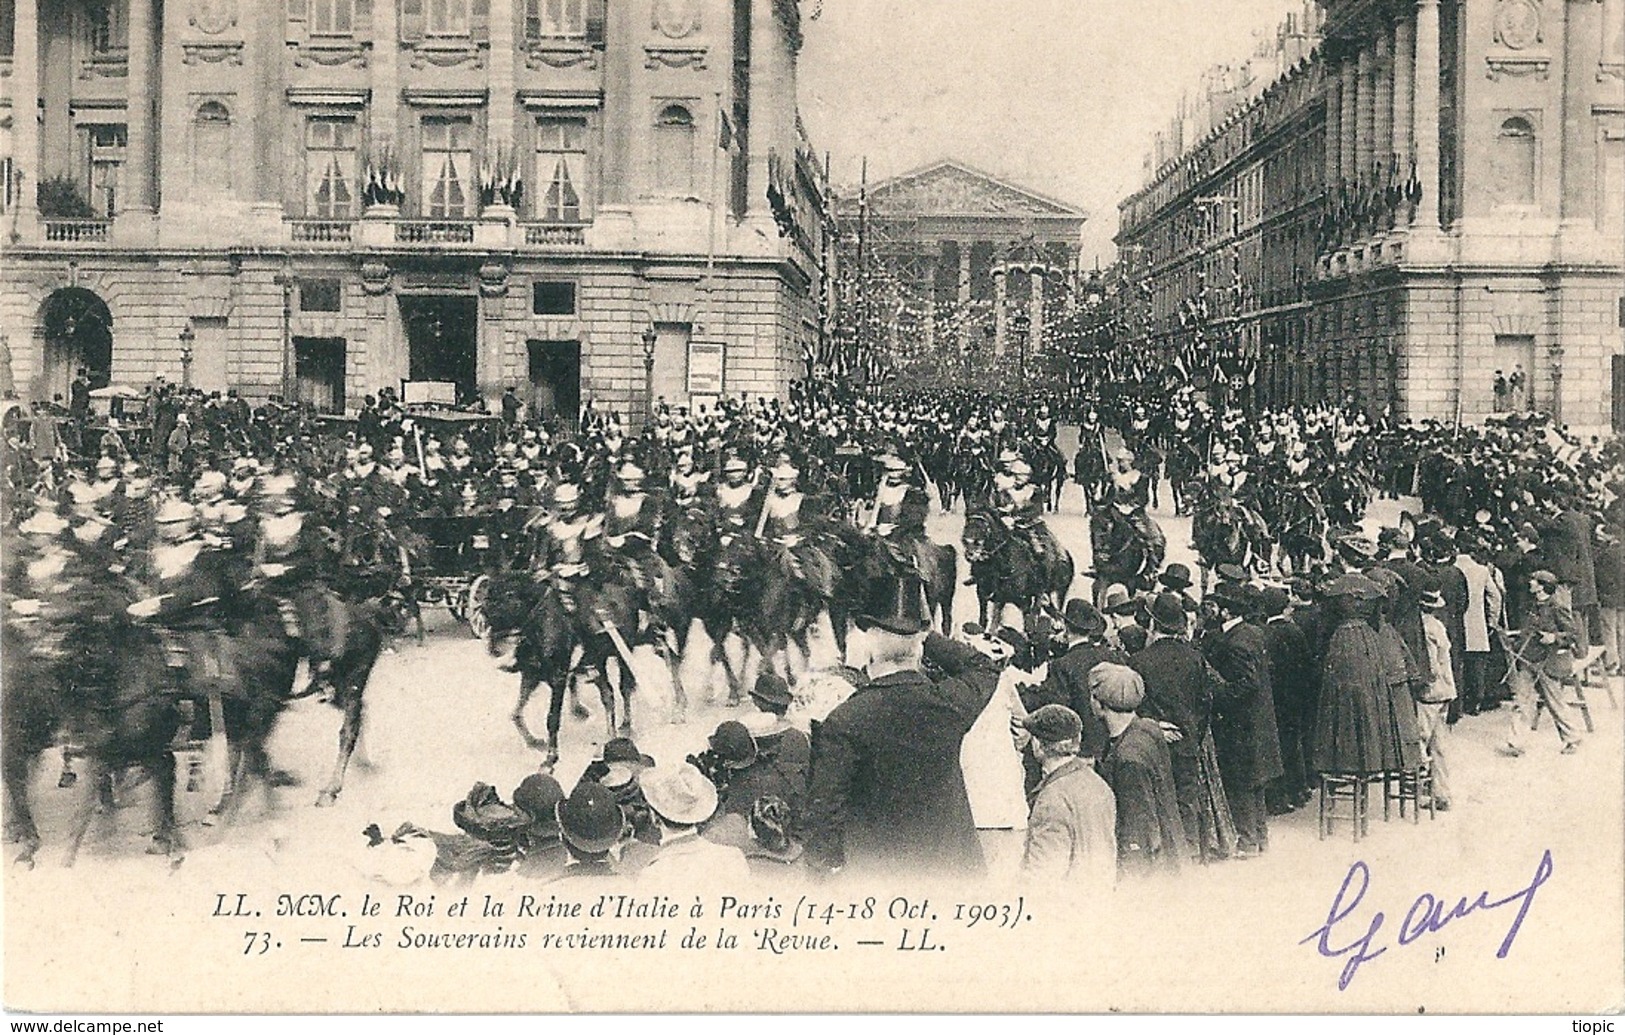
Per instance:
(1543,657)
(1072,829)
(1135,764)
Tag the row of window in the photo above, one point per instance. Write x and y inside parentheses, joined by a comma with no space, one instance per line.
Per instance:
(581,20)
(326,294)
(556,179)
(104,26)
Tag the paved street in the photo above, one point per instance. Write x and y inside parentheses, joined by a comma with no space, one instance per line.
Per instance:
(438,722)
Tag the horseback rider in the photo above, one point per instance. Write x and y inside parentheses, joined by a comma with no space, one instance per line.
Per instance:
(788,518)
(686,480)
(567,539)
(1127,479)
(738,499)
(632,520)
(193,594)
(1020,508)
(291,562)
(899,516)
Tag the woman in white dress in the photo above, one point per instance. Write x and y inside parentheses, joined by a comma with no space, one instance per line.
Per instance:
(991,761)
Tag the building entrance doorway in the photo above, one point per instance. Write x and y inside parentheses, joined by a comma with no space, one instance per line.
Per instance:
(555,380)
(442,336)
(78,332)
(319,373)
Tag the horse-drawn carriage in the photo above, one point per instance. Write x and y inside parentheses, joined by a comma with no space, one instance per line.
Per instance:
(123,409)
(457,568)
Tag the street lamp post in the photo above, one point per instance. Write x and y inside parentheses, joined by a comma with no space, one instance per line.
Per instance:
(1020,323)
(649,374)
(187,337)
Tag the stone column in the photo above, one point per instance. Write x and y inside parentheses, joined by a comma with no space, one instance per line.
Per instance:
(383,65)
(1347,149)
(1035,333)
(138,169)
(1382,123)
(1426,114)
(1404,82)
(1365,115)
(1000,300)
(25,117)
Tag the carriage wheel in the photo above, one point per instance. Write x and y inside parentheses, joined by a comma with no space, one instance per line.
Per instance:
(478,591)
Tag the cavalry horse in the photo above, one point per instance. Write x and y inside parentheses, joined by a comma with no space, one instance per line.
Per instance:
(1049,474)
(126,706)
(1006,569)
(1128,548)
(552,625)
(1302,529)
(1226,531)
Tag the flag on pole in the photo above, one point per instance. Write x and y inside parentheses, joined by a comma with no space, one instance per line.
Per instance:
(727,139)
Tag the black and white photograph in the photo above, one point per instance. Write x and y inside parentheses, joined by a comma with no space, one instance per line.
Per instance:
(812,506)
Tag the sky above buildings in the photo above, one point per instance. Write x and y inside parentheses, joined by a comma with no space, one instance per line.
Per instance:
(1062,96)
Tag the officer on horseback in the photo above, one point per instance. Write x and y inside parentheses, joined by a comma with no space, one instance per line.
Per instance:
(1128,480)
(1020,508)
(193,594)
(566,542)
(788,518)
(898,519)
(632,519)
(738,499)
(291,564)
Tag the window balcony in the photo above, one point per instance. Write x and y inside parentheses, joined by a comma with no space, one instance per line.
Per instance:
(555,235)
(320,231)
(76,231)
(433,231)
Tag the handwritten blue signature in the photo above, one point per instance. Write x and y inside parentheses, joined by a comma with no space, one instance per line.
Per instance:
(1427,915)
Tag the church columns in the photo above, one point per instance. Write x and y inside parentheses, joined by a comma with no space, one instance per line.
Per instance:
(1001,289)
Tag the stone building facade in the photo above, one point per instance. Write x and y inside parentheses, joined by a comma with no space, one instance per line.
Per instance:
(1434,196)
(963,260)
(589,200)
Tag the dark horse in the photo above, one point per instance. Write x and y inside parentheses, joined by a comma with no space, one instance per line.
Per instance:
(1128,549)
(127,705)
(867,564)
(1008,570)
(1049,474)
(551,625)
(689,545)
(766,593)
(1226,531)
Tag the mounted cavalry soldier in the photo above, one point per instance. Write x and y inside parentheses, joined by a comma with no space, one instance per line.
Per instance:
(788,518)
(738,499)
(1127,480)
(898,519)
(291,561)
(567,540)
(685,480)
(192,592)
(1020,508)
(632,520)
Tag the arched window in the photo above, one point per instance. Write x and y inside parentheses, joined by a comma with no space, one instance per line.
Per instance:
(1514,166)
(211,147)
(674,150)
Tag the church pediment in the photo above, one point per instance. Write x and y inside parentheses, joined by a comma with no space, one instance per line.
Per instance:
(950,188)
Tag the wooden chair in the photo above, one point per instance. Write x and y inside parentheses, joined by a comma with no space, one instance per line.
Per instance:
(1353,788)
(1410,785)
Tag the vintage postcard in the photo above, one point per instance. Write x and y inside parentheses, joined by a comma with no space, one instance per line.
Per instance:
(780,506)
